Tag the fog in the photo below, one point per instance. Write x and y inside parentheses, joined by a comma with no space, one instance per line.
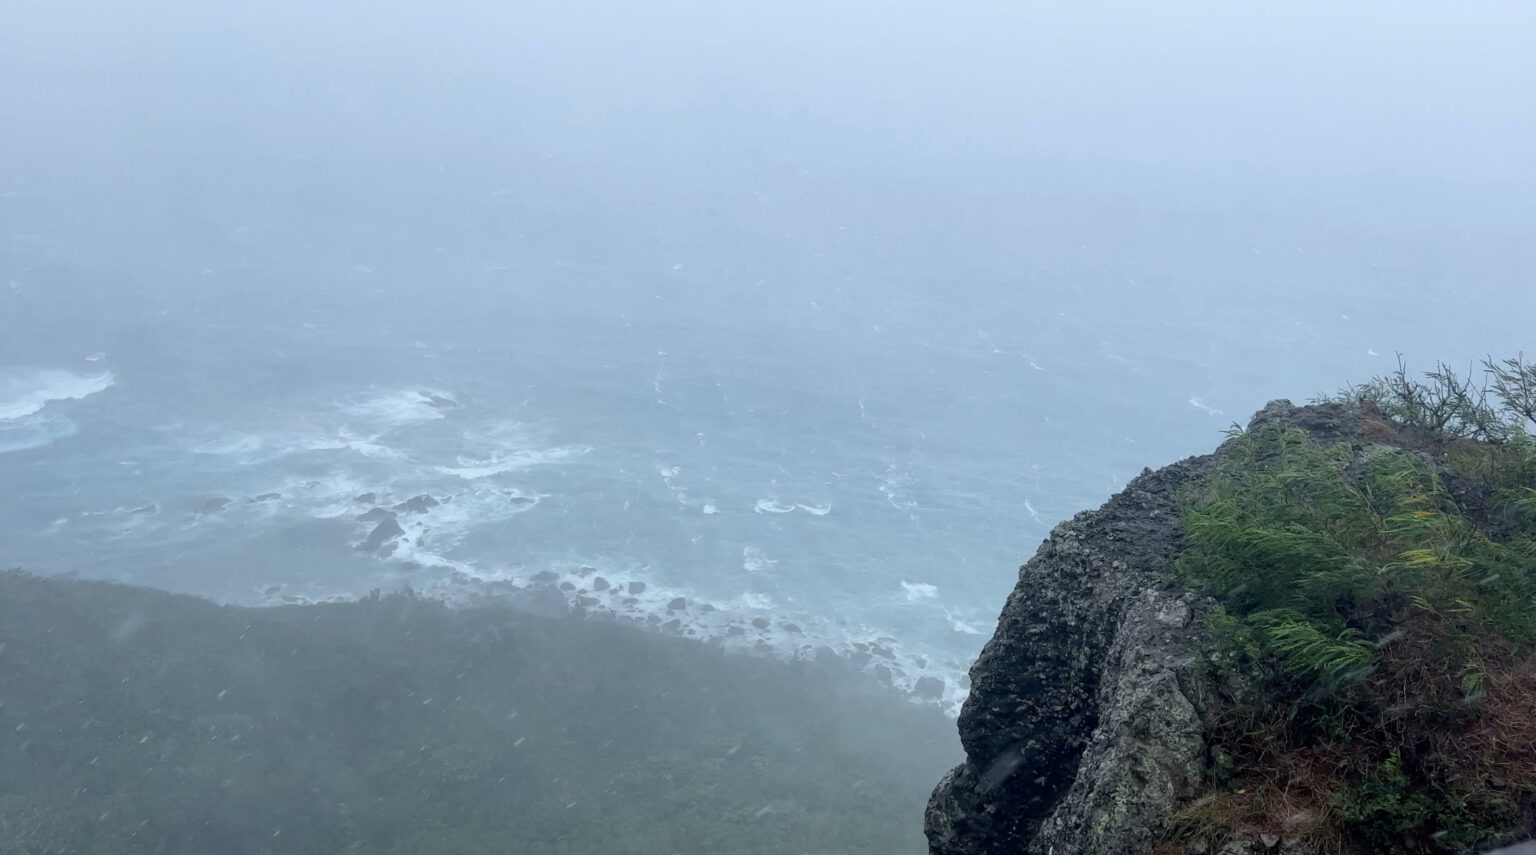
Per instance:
(816,316)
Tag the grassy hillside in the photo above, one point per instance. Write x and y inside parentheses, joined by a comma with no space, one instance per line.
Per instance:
(133,721)
(1376,622)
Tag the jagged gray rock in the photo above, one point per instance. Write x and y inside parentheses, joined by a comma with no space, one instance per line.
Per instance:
(1084,726)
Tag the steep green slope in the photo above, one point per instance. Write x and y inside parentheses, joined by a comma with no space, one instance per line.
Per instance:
(134,721)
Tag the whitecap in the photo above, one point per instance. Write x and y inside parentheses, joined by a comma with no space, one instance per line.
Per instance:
(710,509)
(755,600)
(402,406)
(346,441)
(669,471)
(1201,405)
(772,506)
(816,510)
(34,432)
(25,393)
(471,469)
(242,444)
(919,591)
(961,626)
(754,560)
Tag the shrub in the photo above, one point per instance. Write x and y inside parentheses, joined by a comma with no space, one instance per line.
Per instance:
(1385,597)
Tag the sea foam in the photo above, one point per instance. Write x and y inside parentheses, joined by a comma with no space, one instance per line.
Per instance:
(26,392)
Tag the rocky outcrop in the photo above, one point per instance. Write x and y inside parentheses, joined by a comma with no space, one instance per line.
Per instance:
(1084,726)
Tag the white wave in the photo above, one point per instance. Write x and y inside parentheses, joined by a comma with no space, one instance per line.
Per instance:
(1035,515)
(240,444)
(669,471)
(773,506)
(402,406)
(1201,405)
(471,469)
(919,591)
(345,440)
(754,560)
(754,600)
(710,509)
(961,626)
(96,357)
(815,510)
(34,432)
(26,392)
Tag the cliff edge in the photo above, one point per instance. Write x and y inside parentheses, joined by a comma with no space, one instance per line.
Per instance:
(1085,727)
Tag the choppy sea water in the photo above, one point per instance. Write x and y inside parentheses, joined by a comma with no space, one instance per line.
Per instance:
(824,451)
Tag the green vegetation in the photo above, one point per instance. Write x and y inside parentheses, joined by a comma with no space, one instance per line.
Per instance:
(1376,620)
(135,722)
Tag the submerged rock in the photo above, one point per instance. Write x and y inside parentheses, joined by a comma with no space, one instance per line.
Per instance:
(366,498)
(928,688)
(266,497)
(213,506)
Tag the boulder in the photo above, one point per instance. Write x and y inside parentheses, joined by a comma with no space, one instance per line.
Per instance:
(1084,728)
(417,505)
(383,539)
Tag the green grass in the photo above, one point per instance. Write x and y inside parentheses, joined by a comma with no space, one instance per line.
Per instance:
(1375,626)
(133,721)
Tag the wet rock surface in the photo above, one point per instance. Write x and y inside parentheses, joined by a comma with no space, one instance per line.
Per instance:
(1083,730)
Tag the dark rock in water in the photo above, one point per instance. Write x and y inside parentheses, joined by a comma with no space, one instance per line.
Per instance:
(706,607)
(672,625)
(213,506)
(653,618)
(382,538)
(1083,730)
(883,674)
(760,622)
(271,589)
(266,497)
(521,500)
(588,602)
(793,627)
(881,652)
(145,509)
(637,587)
(735,630)
(860,658)
(366,498)
(417,505)
(567,587)
(545,577)
(920,661)
(376,515)
(584,571)
(677,604)
(630,601)
(599,584)
(929,688)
